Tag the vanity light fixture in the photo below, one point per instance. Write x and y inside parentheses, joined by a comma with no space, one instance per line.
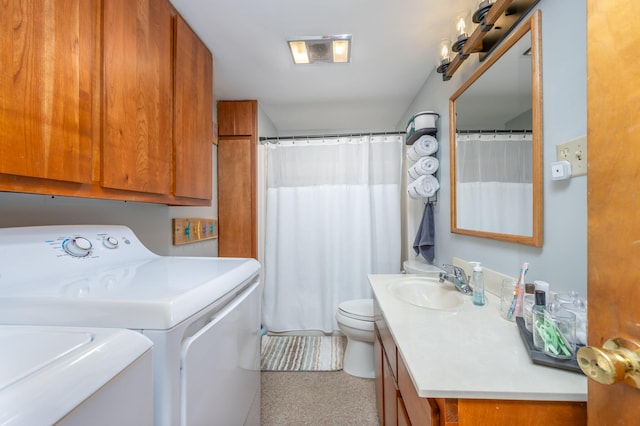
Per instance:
(495,19)
(463,26)
(444,56)
(332,49)
(481,11)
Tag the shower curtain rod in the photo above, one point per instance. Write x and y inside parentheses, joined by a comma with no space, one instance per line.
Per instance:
(495,131)
(345,135)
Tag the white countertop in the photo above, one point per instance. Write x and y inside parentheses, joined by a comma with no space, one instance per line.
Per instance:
(469,352)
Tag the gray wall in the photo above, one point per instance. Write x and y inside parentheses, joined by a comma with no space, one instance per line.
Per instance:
(562,261)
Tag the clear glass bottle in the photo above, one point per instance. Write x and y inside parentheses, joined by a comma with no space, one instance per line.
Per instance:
(477,283)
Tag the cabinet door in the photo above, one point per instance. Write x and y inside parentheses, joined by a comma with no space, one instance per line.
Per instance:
(237,118)
(421,411)
(378,361)
(137,85)
(236,197)
(403,416)
(46,77)
(193,114)
(391,395)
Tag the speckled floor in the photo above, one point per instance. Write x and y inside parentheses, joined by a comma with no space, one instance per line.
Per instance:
(317,398)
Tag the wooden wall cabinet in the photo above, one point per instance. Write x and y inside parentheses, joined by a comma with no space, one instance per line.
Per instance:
(137,82)
(237,208)
(193,114)
(104,99)
(237,118)
(46,89)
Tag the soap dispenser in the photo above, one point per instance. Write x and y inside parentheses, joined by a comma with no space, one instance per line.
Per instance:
(477,283)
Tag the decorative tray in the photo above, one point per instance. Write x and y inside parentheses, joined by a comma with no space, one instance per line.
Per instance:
(539,357)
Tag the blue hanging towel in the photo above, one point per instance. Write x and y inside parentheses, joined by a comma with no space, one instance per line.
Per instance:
(424,244)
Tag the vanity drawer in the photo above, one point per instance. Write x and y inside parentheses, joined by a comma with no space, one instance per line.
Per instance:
(388,343)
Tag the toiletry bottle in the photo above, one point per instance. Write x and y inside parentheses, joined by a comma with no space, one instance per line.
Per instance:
(477,283)
(544,286)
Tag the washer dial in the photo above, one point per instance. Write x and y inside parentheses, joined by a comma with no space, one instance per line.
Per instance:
(110,242)
(77,247)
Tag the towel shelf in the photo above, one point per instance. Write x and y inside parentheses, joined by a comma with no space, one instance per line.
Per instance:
(411,138)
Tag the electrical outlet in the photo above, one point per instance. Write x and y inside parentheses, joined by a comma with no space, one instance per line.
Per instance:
(575,152)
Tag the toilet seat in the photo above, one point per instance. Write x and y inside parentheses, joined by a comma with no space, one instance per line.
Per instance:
(358,309)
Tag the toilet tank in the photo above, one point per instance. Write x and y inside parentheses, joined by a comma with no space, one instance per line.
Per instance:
(416,266)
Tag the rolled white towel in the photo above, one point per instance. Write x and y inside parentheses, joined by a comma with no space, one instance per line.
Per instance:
(424,186)
(425,145)
(424,166)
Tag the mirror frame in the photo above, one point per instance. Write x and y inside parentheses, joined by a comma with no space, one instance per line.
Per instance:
(533,27)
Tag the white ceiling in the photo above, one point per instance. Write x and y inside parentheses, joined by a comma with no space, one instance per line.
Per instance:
(394,49)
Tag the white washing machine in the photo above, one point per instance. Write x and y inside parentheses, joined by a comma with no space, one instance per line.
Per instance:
(75,376)
(202,314)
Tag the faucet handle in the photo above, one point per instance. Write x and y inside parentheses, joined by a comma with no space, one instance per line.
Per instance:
(448,268)
(457,271)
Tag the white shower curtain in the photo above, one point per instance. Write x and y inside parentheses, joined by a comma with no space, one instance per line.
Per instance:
(494,190)
(333,216)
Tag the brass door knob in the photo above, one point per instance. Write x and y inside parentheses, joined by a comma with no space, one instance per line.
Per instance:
(618,360)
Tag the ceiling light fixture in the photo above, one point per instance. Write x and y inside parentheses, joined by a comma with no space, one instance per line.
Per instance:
(308,50)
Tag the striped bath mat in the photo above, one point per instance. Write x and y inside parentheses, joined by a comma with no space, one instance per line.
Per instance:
(301,353)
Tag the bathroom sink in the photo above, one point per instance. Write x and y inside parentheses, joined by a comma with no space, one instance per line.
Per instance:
(426,292)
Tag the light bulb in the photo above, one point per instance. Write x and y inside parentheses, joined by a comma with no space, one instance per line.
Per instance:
(444,55)
(461,27)
(444,51)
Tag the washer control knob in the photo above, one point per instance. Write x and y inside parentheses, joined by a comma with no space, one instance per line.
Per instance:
(110,242)
(77,247)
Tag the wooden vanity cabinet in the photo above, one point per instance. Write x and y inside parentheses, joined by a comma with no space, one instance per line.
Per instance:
(104,99)
(399,403)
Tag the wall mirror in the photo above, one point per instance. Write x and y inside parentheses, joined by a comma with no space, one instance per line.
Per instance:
(496,143)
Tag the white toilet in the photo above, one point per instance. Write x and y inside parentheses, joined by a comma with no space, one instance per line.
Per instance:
(355,320)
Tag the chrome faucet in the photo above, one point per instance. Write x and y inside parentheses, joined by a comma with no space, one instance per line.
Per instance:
(456,276)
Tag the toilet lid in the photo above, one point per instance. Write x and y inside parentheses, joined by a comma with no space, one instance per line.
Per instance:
(360,309)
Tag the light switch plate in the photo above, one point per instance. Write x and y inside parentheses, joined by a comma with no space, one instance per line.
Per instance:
(575,152)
